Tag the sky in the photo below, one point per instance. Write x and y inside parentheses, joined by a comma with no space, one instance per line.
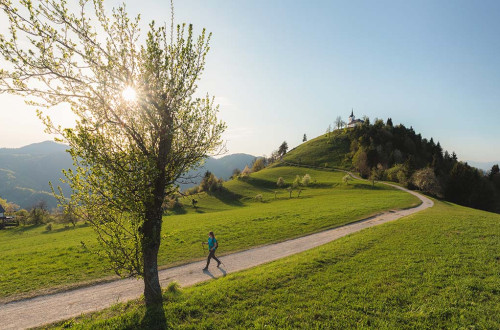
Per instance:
(281,69)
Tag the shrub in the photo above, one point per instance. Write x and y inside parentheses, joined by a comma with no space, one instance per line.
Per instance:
(210,183)
(397,173)
(281,182)
(259,164)
(425,180)
(236,173)
(246,172)
(258,198)
(346,178)
(306,179)
(39,213)
(48,227)
(296,182)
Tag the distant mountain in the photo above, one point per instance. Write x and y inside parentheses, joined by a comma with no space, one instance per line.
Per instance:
(25,172)
(222,168)
(485,166)
(42,148)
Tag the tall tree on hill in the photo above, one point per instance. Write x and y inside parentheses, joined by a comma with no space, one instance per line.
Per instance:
(139,127)
(283,149)
(339,122)
(304,138)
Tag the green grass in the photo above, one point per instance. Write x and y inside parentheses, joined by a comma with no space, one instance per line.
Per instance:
(323,150)
(33,260)
(439,268)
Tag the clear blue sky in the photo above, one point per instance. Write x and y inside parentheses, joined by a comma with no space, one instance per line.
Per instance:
(280,69)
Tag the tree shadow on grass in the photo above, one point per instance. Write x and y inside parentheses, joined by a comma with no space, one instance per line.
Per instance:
(59,230)
(260,183)
(368,186)
(154,318)
(228,197)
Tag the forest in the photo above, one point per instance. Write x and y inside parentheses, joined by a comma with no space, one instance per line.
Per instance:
(396,153)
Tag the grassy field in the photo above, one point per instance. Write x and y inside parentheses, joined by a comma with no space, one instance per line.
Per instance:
(439,268)
(323,151)
(34,260)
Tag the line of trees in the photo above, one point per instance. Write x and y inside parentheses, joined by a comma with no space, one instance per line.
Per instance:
(396,153)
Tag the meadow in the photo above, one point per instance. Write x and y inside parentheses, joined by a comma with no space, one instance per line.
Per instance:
(439,268)
(327,150)
(35,261)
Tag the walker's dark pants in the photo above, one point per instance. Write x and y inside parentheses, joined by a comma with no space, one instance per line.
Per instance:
(212,255)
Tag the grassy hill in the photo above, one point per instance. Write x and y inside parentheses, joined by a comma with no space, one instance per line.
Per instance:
(399,154)
(34,260)
(435,269)
(328,150)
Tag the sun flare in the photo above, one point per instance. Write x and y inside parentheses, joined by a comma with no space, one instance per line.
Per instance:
(129,94)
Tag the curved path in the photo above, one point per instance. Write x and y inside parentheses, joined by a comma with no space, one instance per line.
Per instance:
(60,306)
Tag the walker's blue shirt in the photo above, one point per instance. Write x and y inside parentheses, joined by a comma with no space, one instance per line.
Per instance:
(211,242)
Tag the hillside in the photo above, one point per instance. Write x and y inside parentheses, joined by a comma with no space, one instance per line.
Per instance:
(384,151)
(25,172)
(35,259)
(328,150)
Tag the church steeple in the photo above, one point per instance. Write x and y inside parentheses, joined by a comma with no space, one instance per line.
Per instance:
(352,113)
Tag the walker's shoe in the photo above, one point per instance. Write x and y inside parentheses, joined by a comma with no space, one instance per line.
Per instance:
(218,264)
(206,268)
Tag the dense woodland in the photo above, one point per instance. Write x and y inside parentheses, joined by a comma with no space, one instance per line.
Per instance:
(396,153)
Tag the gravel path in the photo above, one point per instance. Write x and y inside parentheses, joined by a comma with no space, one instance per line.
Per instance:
(51,308)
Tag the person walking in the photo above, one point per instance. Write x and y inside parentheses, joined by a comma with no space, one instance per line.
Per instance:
(212,246)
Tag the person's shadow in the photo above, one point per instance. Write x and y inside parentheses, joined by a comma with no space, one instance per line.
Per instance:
(206,271)
(222,270)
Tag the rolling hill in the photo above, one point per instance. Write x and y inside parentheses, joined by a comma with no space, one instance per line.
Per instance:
(437,268)
(399,154)
(35,259)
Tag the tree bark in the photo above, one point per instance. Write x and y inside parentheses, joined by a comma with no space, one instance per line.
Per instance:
(152,230)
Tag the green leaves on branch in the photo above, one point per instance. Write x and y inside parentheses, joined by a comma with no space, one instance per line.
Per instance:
(128,152)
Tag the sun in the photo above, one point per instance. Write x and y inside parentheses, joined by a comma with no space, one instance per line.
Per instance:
(129,94)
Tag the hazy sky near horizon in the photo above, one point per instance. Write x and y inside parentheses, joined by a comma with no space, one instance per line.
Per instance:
(283,68)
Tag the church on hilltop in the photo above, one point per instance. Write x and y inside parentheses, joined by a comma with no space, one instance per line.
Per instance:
(353,122)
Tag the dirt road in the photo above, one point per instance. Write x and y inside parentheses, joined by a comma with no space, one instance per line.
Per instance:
(50,308)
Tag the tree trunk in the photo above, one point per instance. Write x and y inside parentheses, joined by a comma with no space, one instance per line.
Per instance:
(155,315)
(150,246)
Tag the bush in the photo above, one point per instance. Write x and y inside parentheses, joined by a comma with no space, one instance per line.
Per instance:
(236,173)
(425,180)
(306,179)
(259,164)
(397,173)
(210,183)
(296,182)
(281,182)
(258,198)
(48,227)
(39,213)
(346,178)
(246,172)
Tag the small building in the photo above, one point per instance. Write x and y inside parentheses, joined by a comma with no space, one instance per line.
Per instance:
(2,212)
(353,122)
